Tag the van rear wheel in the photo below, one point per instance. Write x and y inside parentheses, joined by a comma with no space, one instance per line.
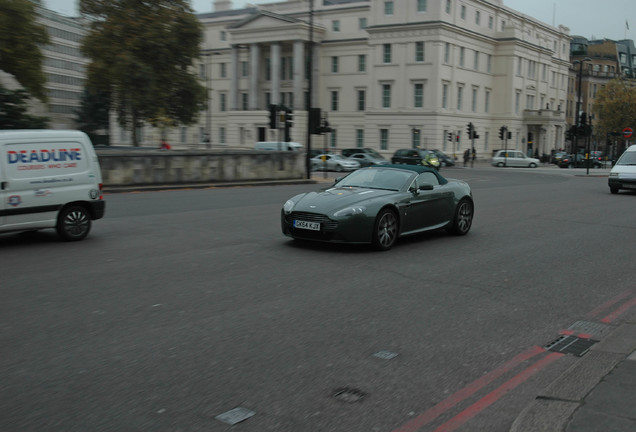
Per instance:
(73,223)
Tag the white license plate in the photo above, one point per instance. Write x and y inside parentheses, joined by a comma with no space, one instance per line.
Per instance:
(629,186)
(314,226)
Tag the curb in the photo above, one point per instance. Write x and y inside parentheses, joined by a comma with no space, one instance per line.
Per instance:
(167,187)
(553,409)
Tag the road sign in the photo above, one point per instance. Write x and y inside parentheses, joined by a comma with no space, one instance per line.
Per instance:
(627,132)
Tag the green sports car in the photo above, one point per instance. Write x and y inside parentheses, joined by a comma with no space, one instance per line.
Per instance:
(376,205)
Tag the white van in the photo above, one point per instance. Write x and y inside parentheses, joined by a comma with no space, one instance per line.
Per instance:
(623,174)
(49,179)
(278,146)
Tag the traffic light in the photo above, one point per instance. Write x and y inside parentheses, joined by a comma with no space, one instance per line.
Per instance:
(502,131)
(289,122)
(469,129)
(272,116)
(450,136)
(314,121)
(583,122)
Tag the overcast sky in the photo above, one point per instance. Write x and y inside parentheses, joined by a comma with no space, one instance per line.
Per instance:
(589,18)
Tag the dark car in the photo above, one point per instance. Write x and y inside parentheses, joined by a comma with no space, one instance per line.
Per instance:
(415,157)
(569,162)
(350,151)
(377,205)
(558,157)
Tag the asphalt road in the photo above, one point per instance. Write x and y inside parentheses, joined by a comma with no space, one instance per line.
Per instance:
(183,305)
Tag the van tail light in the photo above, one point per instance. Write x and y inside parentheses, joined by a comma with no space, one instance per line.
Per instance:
(101,192)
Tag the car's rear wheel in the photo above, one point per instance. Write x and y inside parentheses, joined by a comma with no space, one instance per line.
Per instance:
(73,223)
(385,230)
(463,217)
(500,164)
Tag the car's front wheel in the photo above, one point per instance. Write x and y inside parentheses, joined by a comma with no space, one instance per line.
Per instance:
(73,223)
(500,164)
(463,217)
(385,230)
(533,165)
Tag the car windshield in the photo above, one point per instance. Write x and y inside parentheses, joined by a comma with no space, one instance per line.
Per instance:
(373,178)
(628,158)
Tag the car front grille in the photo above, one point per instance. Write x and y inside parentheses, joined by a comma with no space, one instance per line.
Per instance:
(325,222)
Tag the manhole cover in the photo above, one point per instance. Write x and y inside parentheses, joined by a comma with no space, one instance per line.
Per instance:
(235,415)
(571,345)
(348,395)
(385,355)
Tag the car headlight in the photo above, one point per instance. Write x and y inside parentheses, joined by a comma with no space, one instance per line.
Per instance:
(289,206)
(350,211)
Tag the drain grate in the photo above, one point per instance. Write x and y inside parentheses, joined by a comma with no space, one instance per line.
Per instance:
(348,394)
(571,345)
(593,328)
(235,415)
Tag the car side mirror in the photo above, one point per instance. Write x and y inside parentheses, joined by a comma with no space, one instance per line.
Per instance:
(426,187)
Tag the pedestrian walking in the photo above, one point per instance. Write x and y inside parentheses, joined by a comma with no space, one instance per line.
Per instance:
(466,157)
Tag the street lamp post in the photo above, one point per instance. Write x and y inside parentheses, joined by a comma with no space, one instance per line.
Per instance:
(578,107)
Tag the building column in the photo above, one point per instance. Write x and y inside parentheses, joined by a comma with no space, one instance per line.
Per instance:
(299,74)
(315,74)
(234,70)
(255,52)
(275,70)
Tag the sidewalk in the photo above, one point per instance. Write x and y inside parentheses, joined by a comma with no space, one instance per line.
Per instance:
(598,393)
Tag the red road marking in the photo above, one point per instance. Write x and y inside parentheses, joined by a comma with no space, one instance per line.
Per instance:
(609,303)
(434,412)
(615,314)
(493,396)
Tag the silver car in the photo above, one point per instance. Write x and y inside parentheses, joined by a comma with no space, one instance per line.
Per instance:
(333,162)
(513,158)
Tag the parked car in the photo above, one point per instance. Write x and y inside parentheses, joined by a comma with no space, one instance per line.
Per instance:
(377,205)
(333,162)
(367,159)
(623,174)
(347,152)
(569,162)
(414,156)
(444,159)
(597,155)
(513,158)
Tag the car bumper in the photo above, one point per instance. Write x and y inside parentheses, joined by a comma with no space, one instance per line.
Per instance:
(617,183)
(355,229)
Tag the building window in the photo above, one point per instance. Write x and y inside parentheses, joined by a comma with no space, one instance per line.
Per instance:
(335,25)
(473,105)
(334,140)
(415,138)
(244,69)
(519,66)
(386,96)
(202,71)
(486,139)
(462,13)
(448,6)
(421,5)
(490,22)
(244,99)
(283,68)
(384,139)
(419,51)
(489,63)
(223,70)
(362,23)
(362,96)
(418,93)
(362,63)
(530,102)
(487,102)
(517,102)
(387,53)
(476,61)
(446,52)
(223,35)
(334,101)
(222,135)
(462,56)
(360,138)
(460,97)
(223,102)
(477,17)
(445,96)
(184,134)
(334,64)
(503,25)
(388,8)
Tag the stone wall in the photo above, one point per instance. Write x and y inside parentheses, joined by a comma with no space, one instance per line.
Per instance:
(157,167)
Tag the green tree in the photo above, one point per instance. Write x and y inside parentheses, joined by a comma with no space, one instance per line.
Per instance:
(616,107)
(20,40)
(14,111)
(141,55)
(93,115)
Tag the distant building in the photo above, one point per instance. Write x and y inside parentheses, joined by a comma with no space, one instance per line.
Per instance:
(388,74)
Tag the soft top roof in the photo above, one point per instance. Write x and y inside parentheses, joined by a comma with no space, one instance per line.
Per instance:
(416,168)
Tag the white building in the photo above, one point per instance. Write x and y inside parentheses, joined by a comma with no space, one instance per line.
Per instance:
(389,75)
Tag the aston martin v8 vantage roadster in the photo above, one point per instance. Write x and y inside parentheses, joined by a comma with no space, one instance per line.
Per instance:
(377,205)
